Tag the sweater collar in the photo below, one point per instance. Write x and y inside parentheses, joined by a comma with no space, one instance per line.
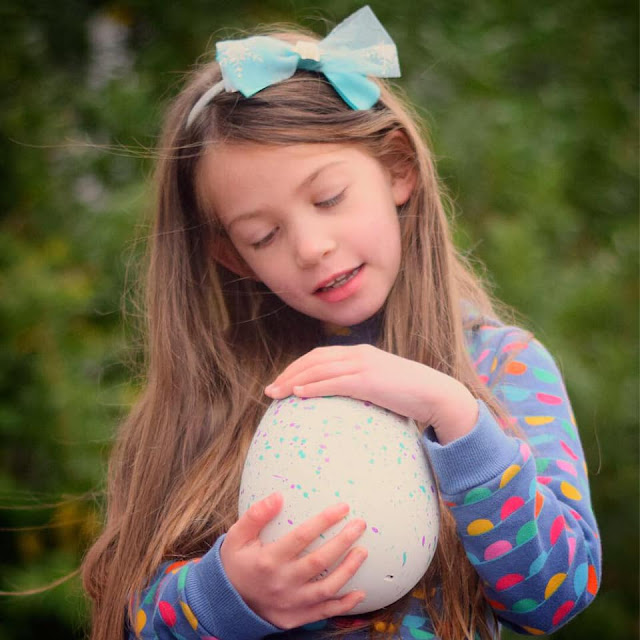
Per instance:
(365,332)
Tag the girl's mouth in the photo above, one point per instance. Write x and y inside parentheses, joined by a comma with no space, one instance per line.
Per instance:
(340,280)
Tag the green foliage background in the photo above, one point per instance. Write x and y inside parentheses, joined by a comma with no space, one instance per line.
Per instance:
(532,109)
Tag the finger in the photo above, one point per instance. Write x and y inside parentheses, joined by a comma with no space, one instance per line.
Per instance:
(315,373)
(333,607)
(316,356)
(316,562)
(252,521)
(292,544)
(343,386)
(328,586)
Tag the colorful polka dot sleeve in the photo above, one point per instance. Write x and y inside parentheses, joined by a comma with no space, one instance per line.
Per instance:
(522,507)
(194,600)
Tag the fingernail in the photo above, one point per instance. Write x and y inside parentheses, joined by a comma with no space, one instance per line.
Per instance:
(357,526)
(298,390)
(339,509)
(271,500)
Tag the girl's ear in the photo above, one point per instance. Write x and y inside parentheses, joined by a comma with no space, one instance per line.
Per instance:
(401,166)
(227,255)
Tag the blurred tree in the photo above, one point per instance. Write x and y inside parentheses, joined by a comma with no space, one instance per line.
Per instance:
(533,115)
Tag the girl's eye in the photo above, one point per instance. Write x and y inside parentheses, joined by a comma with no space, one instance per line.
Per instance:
(331,202)
(263,242)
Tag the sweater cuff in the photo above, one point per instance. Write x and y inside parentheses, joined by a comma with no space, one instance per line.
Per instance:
(217,605)
(476,458)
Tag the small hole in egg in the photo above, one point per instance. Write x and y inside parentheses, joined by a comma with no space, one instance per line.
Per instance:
(388,578)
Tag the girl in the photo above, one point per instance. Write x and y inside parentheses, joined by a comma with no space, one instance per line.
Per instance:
(301,247)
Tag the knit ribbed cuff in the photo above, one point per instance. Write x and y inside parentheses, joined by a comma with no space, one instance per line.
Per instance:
(216,604)
(476,458)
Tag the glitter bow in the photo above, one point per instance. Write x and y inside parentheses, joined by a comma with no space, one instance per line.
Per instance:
(356,48)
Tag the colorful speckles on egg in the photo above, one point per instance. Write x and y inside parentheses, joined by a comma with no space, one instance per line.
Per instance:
(342,449)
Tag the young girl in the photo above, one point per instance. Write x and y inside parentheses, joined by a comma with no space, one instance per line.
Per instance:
(301,247)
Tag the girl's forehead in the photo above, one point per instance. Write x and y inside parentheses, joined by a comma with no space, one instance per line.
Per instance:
(234,178)
(241,156)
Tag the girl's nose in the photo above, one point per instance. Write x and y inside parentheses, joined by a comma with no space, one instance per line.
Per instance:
(312,243)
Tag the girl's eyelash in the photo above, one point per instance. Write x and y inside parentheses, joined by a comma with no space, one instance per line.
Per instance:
(331,202)
(264,241)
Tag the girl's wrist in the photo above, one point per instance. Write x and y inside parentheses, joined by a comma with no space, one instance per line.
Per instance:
(458,416)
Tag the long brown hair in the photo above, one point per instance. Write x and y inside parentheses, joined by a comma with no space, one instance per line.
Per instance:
(215,339)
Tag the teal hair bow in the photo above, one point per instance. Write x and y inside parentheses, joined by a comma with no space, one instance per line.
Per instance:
(356,48)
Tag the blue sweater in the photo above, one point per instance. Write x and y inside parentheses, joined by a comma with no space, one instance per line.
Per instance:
(522,509)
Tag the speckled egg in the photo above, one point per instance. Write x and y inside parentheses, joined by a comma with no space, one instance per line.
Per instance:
(320,451)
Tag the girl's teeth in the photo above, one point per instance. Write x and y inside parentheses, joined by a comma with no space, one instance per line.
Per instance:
(340,281)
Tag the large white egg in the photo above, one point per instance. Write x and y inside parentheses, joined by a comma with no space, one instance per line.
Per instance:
(320,451)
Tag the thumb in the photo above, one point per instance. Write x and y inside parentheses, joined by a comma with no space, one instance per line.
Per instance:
(253,520)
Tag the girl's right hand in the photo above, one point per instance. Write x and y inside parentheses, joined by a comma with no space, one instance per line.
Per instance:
(279,583)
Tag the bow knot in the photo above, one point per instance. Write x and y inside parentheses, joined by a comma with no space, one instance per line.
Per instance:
(307,50)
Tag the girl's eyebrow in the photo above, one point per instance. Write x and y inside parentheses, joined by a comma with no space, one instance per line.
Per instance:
(310,178)
(305,183)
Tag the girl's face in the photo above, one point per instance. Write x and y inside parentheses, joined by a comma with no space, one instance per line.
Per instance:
(316,223)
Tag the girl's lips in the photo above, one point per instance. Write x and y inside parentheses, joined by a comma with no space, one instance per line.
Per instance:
(342,291)
(332,280)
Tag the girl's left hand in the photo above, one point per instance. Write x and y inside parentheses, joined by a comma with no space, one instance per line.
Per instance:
(403,386)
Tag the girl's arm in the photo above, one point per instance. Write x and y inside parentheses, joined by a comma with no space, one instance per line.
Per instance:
(194,600)
(241,589)
(522,507)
